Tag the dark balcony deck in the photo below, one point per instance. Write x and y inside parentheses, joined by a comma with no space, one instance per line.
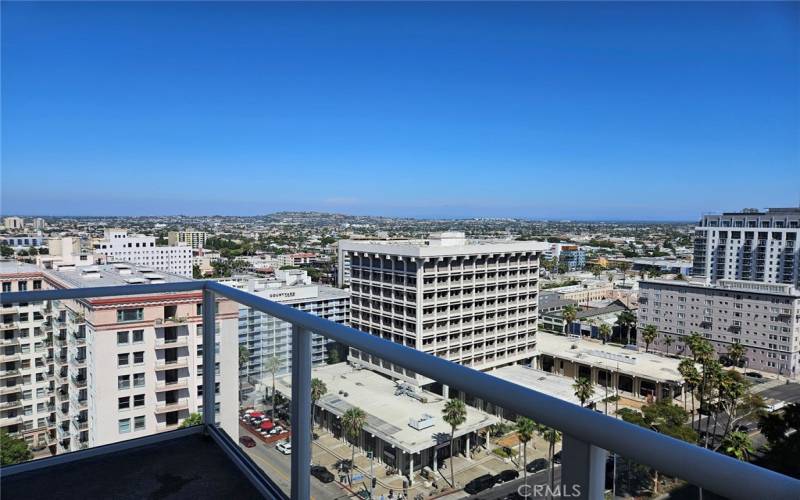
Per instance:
(191,466)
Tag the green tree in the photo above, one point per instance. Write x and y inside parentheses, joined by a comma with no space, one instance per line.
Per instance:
(649,334)
(455,414)
(525,429)
(353,421)
(13,450)
(624,266)
(333,356)
(605,332)
(196,272)
(782,430)
(551,436)
(6,251)
(738,445)
(244,356)
(272,365)
(192,419)
(626,320)
(584,390)
(318,389)
(668,341)
(569,313)
(691,378)
(736,352)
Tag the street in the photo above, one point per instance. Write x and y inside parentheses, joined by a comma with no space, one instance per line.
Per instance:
(502,490)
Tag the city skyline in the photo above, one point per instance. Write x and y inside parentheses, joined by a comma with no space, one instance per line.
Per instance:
(569,111)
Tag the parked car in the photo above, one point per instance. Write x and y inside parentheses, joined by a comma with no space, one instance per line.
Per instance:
(285,447)
(536,465)
(276,430)
(321,473)
(506,475)
(247,441)
(746,427)
(557,457)
(753,375)
(479,484)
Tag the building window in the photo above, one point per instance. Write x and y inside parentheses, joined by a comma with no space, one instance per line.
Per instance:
(138,379)
(138,336)
(124,425)
(123,359)
(138,400)
(122,338)
(124,403)
(124,382)
(126,315)
(138,357)
(138,423)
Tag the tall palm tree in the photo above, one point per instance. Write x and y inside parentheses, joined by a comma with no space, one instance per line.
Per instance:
(569,314)
(584,390)
(272,365)
(738,445)
(736,352)
(318,389)
(626,320)
(605,332)
(552,437)
(668,340)
(691,377)
(525,429)
(624,267)
(353,421)
(455,414)
(649,334)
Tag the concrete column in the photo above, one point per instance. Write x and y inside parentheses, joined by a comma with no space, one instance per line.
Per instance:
(445,391)
(435,458)
(410,469)
(466,452)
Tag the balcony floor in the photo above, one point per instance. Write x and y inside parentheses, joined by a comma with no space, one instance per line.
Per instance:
(186,467)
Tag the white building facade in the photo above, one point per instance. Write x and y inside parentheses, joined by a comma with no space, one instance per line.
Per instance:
(118,246)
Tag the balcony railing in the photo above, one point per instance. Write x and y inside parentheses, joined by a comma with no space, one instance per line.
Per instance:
(587,434)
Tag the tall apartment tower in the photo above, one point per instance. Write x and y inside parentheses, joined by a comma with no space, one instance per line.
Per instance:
(749,245)
(112,368)
(471,302)
(119,246)
(195,239)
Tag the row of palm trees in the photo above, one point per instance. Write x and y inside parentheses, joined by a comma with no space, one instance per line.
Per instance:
(626,321)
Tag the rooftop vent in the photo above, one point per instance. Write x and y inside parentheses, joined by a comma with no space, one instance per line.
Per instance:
(423,422)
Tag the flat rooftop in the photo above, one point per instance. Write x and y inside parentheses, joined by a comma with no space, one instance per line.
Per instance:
(753,287)
(387,415)
(190,467)
(17,267)
(112,275)
(434,248)
(541,381)
(610,357)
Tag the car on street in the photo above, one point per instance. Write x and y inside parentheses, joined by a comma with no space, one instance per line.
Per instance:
(479,484)
(753,375)
(506,476)
(284,447)
(321,473)
(247,441)
(536,465)
(557,458)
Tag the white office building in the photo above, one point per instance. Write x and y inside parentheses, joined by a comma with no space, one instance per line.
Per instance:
(118,246)
(469,301)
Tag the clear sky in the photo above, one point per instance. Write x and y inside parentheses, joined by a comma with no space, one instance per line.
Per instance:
(568,110)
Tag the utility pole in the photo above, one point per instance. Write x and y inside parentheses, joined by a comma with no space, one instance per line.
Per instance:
(371,476)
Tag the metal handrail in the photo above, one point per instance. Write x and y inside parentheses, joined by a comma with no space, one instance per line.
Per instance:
(699,466)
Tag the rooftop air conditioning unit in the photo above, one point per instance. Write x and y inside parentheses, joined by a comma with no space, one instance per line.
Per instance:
(423,422)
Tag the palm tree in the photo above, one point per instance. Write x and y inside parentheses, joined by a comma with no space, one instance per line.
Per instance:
(691,377)
(605,332)
(569,313)
(244,356)
(272,364)
(649,334)
(353,421)
(455,414)
(584,390)
(738,445)
(736,352)
(318,389)
(624,267)
(552,437)
(626,320)
(525,429)
(668,342)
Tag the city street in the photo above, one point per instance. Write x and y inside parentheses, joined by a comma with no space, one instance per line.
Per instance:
(502,490)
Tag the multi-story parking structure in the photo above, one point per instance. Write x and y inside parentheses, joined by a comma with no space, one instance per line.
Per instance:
(472,302)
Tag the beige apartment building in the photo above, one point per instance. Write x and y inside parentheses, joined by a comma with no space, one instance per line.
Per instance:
(471,302)
(116,367)
(195,239)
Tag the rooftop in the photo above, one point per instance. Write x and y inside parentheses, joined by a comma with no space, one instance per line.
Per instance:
(387,414)
(112,275)
(756,287)
(542,381)
(17,267)
(442,244)
(611,357)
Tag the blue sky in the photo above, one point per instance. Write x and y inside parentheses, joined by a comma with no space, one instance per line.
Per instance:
(569,110)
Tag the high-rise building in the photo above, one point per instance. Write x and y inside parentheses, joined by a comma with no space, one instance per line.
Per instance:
(472,302)
(265,336)
(39,224)
(109,369)
(763,317)
(118,246)
(749,245)
(195,239)
(14,223)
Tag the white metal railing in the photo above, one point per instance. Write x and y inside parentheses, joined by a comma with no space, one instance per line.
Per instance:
(587,434)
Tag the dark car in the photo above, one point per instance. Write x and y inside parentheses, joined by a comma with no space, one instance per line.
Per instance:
(479,484)
(536,465)
(506,475)
(557,458)
(753,375)
(247,441)
(746,427)
(321,473)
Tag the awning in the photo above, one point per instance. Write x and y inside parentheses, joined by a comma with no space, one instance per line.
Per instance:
(267,425)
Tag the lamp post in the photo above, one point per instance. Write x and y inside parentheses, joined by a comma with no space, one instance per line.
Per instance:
(371,455)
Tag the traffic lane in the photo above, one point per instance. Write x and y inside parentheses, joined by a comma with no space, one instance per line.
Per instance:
(501,490)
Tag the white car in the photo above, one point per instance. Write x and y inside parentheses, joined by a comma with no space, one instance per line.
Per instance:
(284,447)
(276,430)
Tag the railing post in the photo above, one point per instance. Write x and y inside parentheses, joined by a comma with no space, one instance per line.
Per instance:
(583,469)
(301,407)
(209,363)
